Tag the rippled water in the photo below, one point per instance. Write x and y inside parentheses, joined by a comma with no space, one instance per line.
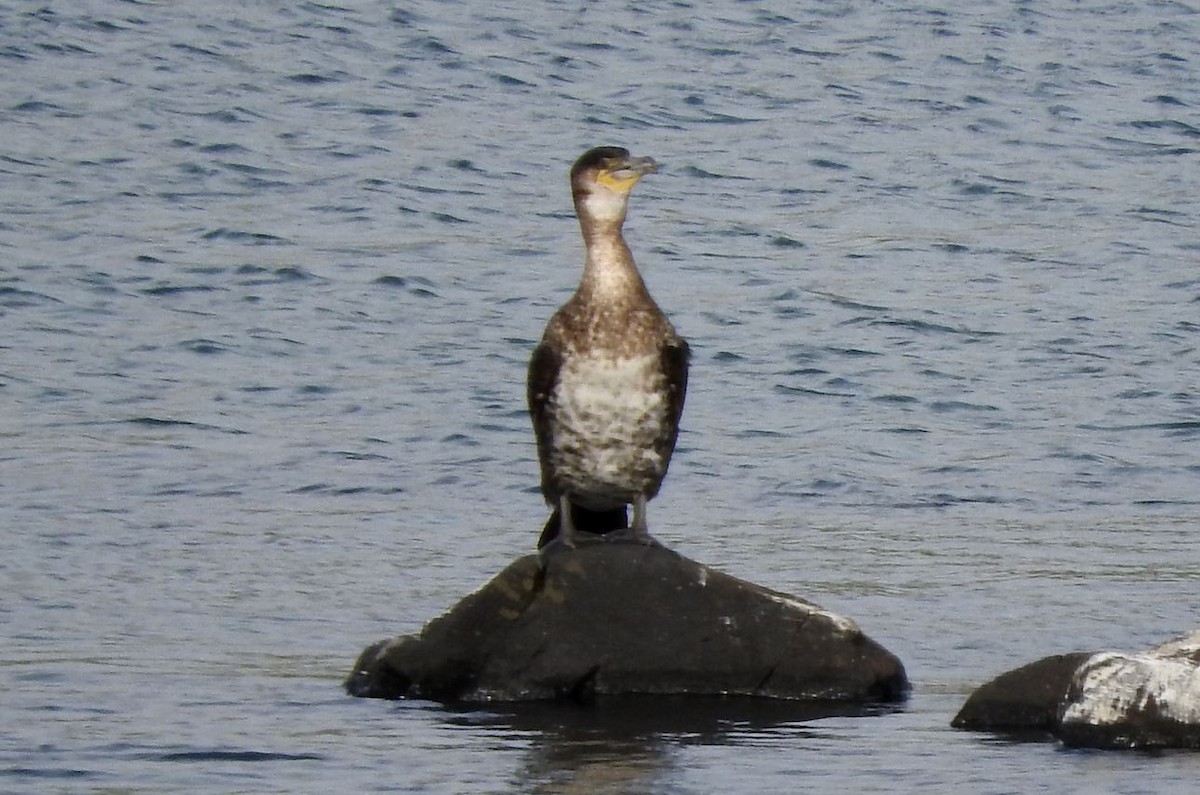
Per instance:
(271,273)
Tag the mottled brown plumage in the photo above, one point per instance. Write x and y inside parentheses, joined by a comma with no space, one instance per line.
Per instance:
(607,383)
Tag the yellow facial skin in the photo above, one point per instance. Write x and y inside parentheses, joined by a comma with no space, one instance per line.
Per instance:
(622,175)
(621,181)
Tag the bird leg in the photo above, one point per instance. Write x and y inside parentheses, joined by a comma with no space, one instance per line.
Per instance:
(566,523)
(638,529)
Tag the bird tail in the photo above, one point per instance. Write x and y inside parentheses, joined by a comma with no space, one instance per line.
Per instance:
(586,521)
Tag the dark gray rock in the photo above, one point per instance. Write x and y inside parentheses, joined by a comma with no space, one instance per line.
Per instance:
(1098,700)
(620,618)
(1027,699)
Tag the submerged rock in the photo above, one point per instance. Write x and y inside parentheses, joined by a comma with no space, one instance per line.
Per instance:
(1027,699)
(613,618)
(1098,700)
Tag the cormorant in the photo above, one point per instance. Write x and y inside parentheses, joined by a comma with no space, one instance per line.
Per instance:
(607,383)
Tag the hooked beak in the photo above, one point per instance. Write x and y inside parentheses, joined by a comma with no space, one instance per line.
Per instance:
(636,167)
(623,175)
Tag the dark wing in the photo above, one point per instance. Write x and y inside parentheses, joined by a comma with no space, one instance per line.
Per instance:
(544,367)
(674,363)
(675,359)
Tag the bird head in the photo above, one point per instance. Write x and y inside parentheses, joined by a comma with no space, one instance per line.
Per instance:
(601,180)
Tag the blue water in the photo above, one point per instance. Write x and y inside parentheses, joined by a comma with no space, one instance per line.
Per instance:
(270,275)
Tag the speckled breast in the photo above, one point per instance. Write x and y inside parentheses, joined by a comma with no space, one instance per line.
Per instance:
(610,429)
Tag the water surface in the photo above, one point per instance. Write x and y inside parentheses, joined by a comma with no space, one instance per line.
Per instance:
(271,275)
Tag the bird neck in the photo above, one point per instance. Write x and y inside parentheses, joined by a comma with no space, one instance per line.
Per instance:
(609,271)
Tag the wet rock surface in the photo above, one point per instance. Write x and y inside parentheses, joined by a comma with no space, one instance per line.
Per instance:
(616,618)
(1110,700)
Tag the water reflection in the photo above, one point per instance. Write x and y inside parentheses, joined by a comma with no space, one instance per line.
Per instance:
(629,743)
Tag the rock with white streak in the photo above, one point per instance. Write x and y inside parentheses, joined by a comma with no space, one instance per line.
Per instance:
(1109,699)
(617,618)
(1148,700)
